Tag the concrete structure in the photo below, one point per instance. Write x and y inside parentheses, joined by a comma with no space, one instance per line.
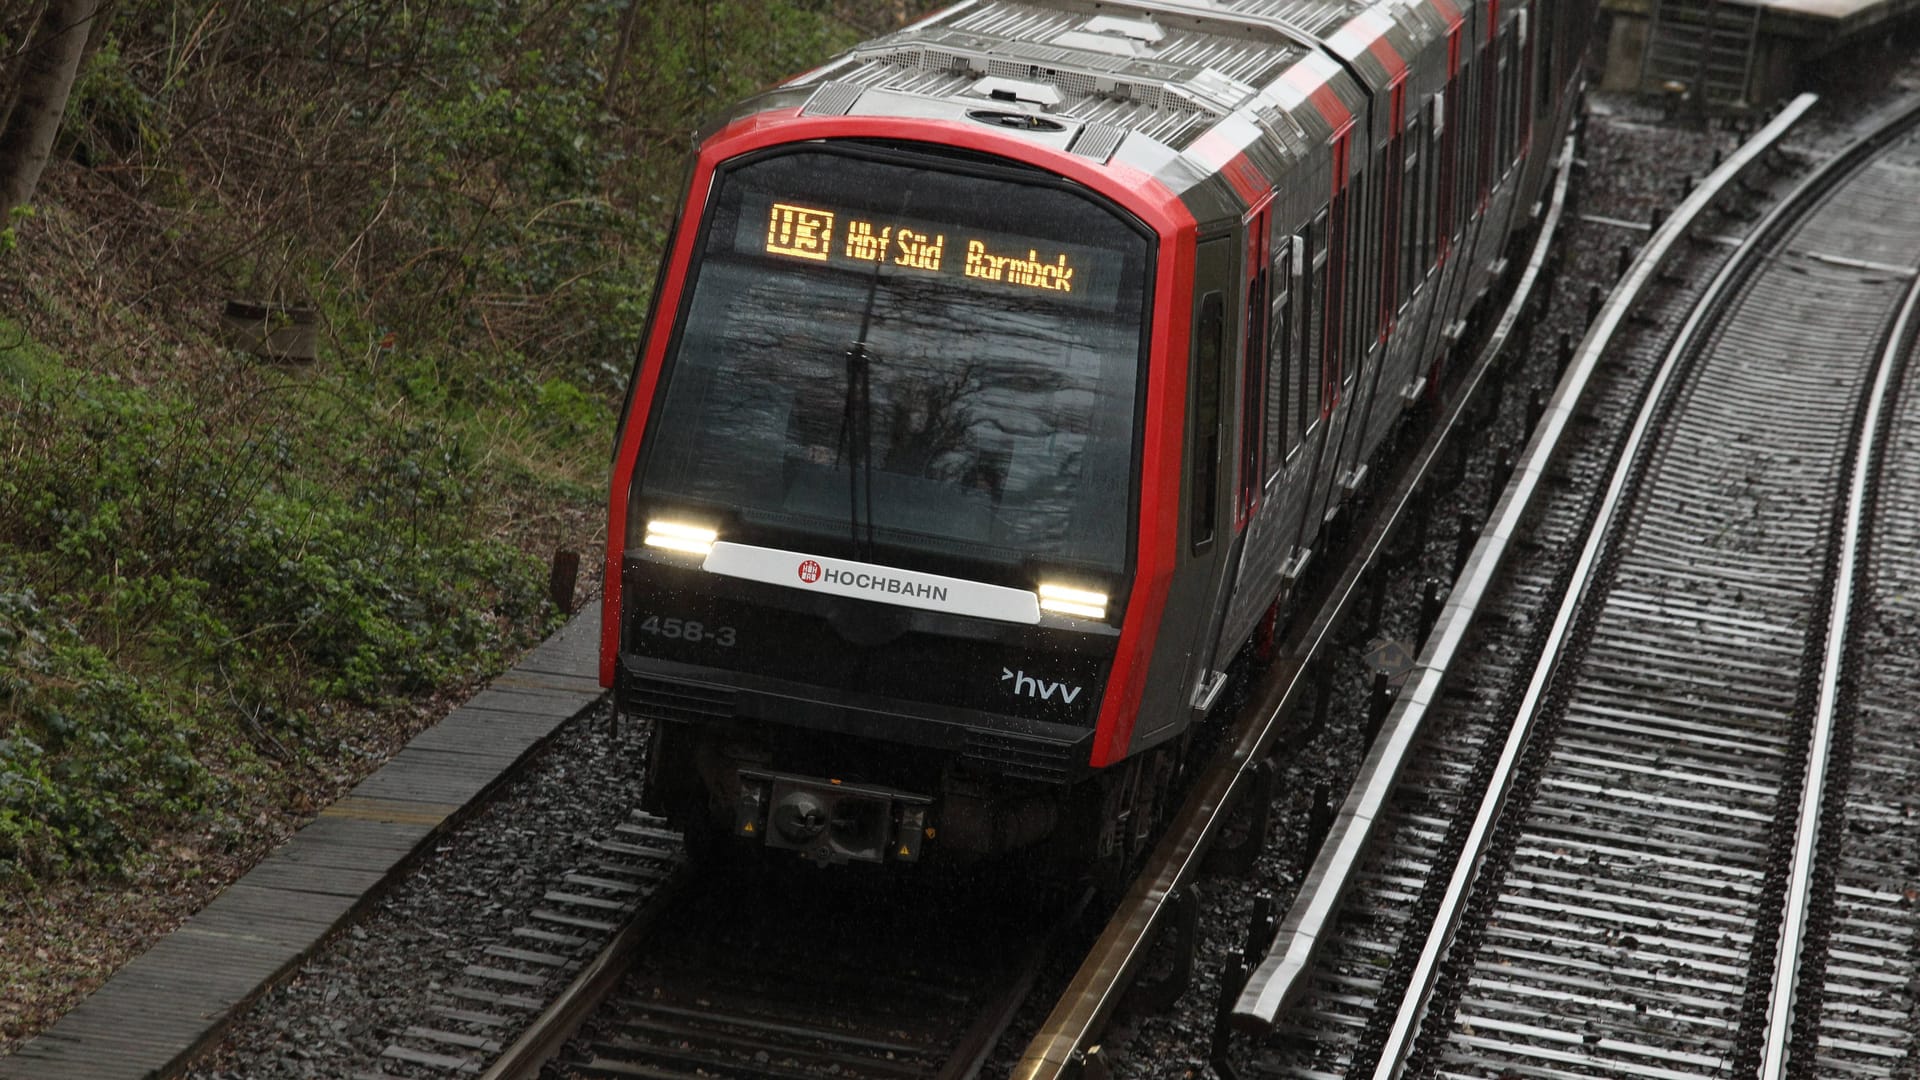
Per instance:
(1733,55)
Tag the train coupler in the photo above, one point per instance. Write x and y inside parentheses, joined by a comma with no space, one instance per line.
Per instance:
(830,821)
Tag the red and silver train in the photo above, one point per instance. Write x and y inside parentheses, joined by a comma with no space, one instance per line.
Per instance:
(1001,377)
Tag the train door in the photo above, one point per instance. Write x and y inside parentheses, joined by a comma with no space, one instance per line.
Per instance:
(1372,421)
(1244,423)
(1272,408)
(1271,504)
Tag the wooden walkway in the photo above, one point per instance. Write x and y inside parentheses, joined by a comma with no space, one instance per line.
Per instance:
(165,1005)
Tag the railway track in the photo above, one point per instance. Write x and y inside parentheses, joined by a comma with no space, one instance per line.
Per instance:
(1861,974)
(844,981)
(609,896)
(1633,877)
(780,971)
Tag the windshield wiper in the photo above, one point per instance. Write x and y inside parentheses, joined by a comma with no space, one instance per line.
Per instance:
(856,426)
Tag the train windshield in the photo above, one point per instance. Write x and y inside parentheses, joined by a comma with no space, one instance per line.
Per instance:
(881,352)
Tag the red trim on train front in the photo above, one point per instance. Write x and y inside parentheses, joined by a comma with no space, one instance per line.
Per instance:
(1145,197)
(1161,442)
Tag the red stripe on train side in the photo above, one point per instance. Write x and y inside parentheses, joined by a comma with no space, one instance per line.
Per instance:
(1142,195)
(1328,102)
(1389,57)
(1232,163)
(1320,93)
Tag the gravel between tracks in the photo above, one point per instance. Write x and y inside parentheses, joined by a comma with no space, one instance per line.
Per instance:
(372,980)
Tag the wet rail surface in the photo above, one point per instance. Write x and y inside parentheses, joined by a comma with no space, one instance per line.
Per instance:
(625,878)
(1626,918)
(785,971)
(1855,1014)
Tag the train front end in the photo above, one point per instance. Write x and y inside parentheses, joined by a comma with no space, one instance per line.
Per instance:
(876,571)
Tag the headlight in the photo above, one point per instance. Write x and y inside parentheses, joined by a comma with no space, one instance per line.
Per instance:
(679,536)
(1063,600)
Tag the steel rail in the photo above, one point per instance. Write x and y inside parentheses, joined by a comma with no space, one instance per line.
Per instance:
(1083,1009)
(977,1045)
(597,982)
(1411,1013)
(1282,975)
(1800,884)
(550,1030)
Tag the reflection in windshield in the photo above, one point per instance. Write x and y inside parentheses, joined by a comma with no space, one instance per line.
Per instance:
(883,405)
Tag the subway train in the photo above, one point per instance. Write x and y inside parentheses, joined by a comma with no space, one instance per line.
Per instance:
(1002,379)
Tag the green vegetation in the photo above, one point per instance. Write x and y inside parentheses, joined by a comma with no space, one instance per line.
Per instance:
(220,577)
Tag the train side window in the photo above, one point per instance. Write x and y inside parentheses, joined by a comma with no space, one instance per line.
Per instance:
(1392,198)
(1254,369)
(1312,306)
(1357,292)
(1509,129)
(1444,133)
(1466,111)
(1466,154)
(1545,41)
(1209,348)
(1461,141)
(1379,217)
(1412,228)
(1436,200)
(1484,131)
(1337,296)
(1281,277)
(1526,46)
(1379,206)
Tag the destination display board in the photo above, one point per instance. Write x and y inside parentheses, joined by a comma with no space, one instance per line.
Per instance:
(811,232)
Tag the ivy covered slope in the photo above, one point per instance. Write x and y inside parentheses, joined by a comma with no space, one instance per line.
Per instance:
(229,586)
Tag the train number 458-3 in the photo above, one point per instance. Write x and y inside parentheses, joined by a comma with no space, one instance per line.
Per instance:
(688,630)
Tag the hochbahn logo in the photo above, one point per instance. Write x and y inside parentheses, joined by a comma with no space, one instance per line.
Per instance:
(811,572)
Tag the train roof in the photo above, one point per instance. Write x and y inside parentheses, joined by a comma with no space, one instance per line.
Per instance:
(1177,88)
(1165,74)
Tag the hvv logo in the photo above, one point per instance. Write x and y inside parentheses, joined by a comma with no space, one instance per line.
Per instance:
(1028,686)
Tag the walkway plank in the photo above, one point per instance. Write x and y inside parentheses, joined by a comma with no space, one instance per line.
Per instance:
(163,1006)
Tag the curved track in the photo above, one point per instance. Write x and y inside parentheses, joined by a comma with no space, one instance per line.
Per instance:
(1854,1015)
(1627,916)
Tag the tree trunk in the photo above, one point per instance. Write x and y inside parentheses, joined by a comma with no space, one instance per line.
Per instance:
(16,29)
(620,52)
(46,78)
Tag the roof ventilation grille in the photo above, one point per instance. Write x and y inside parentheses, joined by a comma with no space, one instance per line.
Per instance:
(1097,141)
(832,99)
